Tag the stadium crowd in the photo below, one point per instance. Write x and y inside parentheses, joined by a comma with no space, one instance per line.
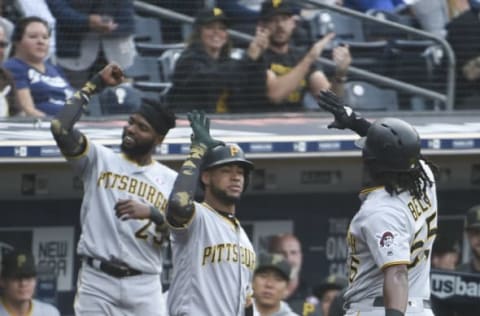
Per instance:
(277,70)
(50,52)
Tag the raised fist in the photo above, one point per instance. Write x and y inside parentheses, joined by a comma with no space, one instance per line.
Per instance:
(112,74)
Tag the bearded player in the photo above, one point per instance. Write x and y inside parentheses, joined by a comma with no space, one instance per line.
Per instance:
(122,209)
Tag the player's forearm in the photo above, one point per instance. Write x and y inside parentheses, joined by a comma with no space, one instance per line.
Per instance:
(360,126)
(395,289)
(69,140)
(180,205)
(75,105)
(280,87)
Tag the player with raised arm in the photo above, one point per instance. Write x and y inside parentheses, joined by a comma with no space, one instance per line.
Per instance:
(390,238)
(122,209)
(213,258)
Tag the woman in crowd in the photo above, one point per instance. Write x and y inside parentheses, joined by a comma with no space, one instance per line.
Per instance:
(207,77)
(41,88)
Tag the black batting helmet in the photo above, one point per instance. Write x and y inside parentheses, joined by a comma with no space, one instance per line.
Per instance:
(227,154)
(391,144)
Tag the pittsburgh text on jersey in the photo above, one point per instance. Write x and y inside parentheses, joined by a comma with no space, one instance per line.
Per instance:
(148,192)
(228,253)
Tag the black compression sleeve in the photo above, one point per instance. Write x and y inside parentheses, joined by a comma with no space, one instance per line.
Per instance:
(156,216)
(180,205)
(360,126)
(70,141)
(393,312)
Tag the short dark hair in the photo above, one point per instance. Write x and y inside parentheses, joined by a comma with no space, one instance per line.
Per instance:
(159,116)
(22,24)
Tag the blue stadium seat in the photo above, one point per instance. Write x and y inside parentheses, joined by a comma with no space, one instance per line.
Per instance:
(345,27)
(122,99)
(148,30)
(167,63)
(414,60)
(145,76)
(371,56)
(144,69)
(364,96)
(375,31)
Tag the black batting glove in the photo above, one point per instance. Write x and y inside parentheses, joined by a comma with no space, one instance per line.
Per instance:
(345,117)
(201,130)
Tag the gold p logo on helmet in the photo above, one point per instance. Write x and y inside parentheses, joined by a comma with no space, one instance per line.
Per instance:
(21,259)
(234,150)
(217,11)
(276,3)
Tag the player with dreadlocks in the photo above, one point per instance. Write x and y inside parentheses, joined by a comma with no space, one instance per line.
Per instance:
(391,237)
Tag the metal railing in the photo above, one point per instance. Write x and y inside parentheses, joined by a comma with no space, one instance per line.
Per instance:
(447,98)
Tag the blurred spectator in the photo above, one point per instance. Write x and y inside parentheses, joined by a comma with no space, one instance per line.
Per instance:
(270,282)
(40,8)
(7,28)
(472,228)
(328,290)
(445,255)
(291,71)
(445,252)
(298,290)
(8,105)
(41,88)
(92,33)
(18,280)
(464,38)
(205,75)
(365,5)
(336,306)
(456,7)
(432,15)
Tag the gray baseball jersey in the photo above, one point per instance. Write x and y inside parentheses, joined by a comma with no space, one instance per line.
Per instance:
(109,177)
(213,263)
(38,309)
(389,230)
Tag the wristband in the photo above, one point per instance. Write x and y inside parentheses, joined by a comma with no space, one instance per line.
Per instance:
(393,312)
(94,85)
(342,79)
(156,216)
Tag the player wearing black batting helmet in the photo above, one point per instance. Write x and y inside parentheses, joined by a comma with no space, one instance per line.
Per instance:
(228,154)
(210,249)
(391,153)
(392,145)
(389,257)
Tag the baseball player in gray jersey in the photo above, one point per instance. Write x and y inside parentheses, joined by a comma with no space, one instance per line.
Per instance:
(390,238)
(18,281)
(122,210)
(213,259)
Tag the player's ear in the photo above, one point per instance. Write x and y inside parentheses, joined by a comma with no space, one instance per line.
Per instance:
(205,178)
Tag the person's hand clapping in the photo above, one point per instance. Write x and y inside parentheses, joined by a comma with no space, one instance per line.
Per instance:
(260,43)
